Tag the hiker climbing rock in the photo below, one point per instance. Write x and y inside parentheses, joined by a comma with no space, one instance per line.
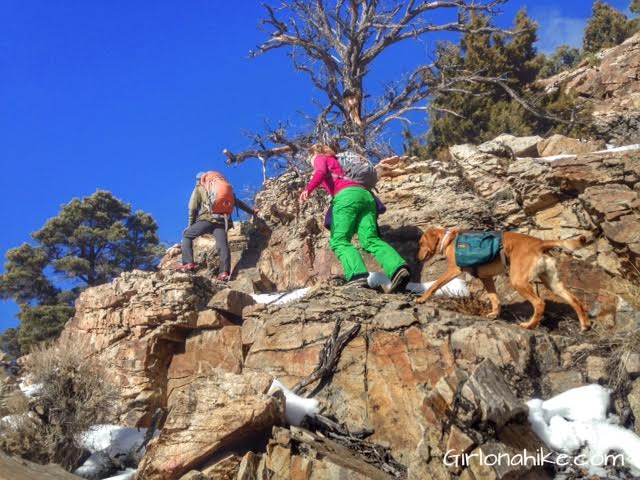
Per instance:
(348,178)
(210,207)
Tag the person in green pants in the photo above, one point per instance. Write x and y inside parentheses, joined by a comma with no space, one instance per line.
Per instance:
(354,211)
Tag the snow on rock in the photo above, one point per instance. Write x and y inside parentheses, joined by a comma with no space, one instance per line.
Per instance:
(455,288)
(128,474)
(96,466)
(576,422)
(30,390)
(552,158)
(114,438)
(280,298)
(609,149)
(625,148)
(296,407)
(13,421)
(109,441)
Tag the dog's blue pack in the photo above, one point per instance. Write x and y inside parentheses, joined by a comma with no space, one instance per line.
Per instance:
(477,248)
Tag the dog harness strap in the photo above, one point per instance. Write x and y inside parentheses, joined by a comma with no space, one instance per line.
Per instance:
(503,255)
(445,241)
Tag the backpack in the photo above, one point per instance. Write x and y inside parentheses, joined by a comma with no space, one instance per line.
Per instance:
(358,169)
(220,197)
(477,248)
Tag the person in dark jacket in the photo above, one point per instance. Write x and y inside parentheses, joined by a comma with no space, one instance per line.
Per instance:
(203,221)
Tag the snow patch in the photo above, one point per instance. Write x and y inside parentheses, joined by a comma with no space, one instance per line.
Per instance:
(455,288)
(13,421)
(30,390)
(624,148)
(128,474)
(576,422)
(109,441)
(113,438)
(296,407)
(553,158)
(281,298)
(609,149)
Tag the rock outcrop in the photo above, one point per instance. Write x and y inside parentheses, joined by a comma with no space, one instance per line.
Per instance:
(209,415)
(417,383)
(610,85)
(481,187)
(19,469)
(135,325)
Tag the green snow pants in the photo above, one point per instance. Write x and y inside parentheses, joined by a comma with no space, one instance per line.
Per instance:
(354,210)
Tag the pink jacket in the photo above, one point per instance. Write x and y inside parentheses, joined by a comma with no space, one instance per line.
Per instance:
(327,174)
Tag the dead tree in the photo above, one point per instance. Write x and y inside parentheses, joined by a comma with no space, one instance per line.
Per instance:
(336,42)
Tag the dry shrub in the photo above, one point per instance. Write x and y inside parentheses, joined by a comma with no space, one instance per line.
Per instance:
(474,304)
(74,395)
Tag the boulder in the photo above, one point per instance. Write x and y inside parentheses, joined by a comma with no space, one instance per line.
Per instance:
(20,469)
(491,394)
(520,146)
(560,145)
(204,352)
(631,364)
(211,414)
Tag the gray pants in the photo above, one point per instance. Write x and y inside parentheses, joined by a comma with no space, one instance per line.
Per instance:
(202,227)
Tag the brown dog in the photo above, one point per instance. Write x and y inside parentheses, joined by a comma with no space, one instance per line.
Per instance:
(527,260)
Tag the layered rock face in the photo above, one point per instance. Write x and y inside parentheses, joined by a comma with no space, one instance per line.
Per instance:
(136,324)
(481,187)
(611,87)
(417,385)
(423,380)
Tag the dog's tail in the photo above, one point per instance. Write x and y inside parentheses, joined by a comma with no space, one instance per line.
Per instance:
(572,244)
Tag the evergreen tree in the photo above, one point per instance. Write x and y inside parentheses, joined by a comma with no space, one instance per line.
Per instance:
(635,7)
(489,110)
(606,28)
(24,279)
(91,241)
(9,343)
(564,58)
(41,323)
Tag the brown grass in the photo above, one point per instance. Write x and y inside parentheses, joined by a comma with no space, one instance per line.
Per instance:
(474,304)
(74,395)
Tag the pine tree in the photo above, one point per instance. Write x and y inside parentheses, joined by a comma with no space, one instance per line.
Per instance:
(564,58)
(41,323)
(9,343)
(91,241)
(489,110)
(606,28)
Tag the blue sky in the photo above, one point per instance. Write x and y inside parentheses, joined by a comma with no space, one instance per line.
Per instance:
(135,97)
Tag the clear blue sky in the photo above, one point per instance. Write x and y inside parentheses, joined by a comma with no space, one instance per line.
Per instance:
(136,96)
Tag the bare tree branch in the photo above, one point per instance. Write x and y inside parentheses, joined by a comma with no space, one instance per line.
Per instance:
(335,43)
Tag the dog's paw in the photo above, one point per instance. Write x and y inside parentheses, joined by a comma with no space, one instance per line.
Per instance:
(527,325)
(421,300)
(493,315)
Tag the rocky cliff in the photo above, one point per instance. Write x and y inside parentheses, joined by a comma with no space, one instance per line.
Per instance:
(398,384)
(610,85)
(502,184)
